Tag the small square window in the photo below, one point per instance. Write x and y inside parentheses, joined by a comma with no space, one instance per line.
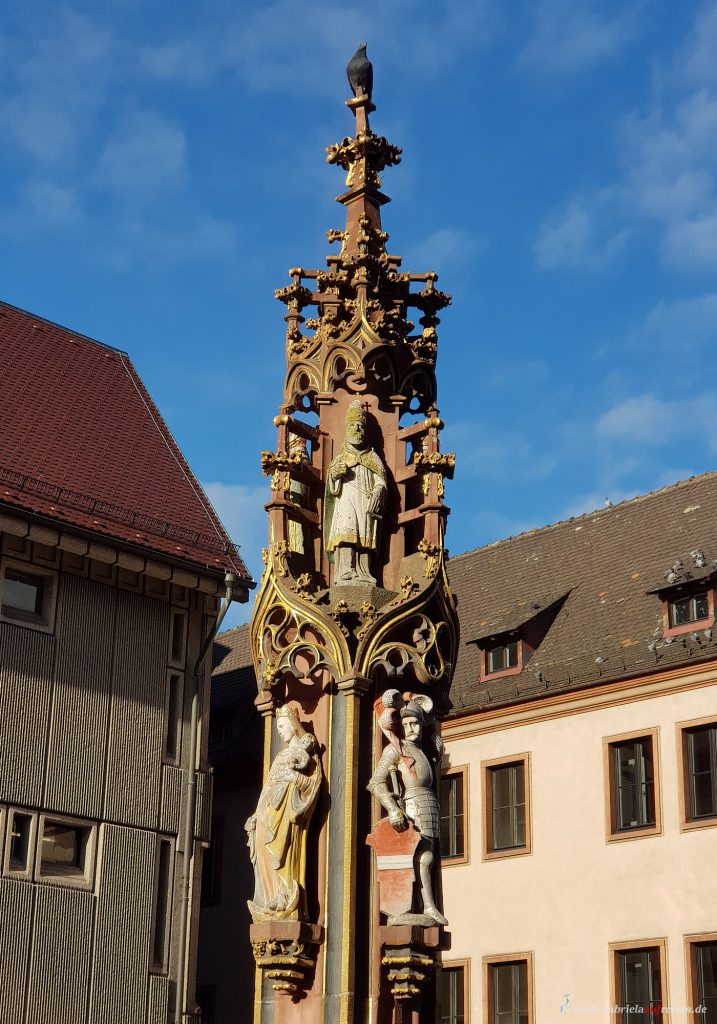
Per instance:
(502,657)
(20,835)
(66,852)
(20,832)
(453,806)
(686,609)
(27,595)
(506,803)
(689,609)
(632,805)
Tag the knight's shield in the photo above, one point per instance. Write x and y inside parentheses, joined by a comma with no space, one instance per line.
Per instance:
(395,861)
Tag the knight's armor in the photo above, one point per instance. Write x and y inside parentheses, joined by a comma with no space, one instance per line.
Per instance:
(419,799)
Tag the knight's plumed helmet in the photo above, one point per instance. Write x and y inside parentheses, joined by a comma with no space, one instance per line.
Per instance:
(417,706)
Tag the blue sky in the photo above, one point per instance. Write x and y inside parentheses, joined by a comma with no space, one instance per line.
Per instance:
(163,167)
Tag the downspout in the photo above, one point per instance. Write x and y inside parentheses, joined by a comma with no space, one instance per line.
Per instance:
(190,805)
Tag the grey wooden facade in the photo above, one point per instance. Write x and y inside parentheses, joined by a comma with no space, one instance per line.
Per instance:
(87,705)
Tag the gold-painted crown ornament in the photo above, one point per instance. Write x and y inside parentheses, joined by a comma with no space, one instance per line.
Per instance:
(355,413)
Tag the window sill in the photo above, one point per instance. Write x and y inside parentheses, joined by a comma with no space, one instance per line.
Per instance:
(28,620)
(457,861)
(486,677)
(690,627)
(697,823)
(634,833)
(511,851)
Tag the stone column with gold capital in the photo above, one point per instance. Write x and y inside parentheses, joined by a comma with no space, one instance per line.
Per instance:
(354,604)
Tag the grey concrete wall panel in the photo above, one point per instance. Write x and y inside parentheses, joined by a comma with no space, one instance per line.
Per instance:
(124,924)
(158,1008)
(137,711)
(25,691)
(16,901)
(203,812)
(80,707)
(171,799)
(60,964)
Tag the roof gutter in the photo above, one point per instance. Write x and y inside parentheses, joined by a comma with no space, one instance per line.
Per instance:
(232,582)
(141,551)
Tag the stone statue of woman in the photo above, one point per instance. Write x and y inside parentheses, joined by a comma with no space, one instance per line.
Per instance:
(355,490)
(277,830)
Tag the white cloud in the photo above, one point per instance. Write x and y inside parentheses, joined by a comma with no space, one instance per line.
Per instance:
(579,236)
(668,175)
(570,36)
(446,247)
(273,51)
(698,60)
(154,242)
(56,82)
(50,203)
(683,324)
(647,420)
(146,152)
(497,454)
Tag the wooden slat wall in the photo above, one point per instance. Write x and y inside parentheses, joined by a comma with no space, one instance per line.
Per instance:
(124,920)
(16,906)
(137,711)
(60,962)
(80,711)
(25,691)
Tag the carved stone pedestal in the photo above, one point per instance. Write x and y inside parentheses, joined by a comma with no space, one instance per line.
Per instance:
(410,955)
(286,951)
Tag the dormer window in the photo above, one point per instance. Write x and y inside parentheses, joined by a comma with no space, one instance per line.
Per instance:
(501,657)
(685,610)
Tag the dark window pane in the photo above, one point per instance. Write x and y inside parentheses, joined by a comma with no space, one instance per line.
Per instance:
(502,656)
(706,957)
(510,993)
(689,609)
(20,842)
(63,849)
(508,798)
(634,787)
(641,985)
(212,864)
(702,750)
(22,592)
(160,932)
(451,1008)
(501,786)
(173,714)
(451,804)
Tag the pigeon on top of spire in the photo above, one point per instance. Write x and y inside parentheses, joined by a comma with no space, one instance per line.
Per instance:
(359,72)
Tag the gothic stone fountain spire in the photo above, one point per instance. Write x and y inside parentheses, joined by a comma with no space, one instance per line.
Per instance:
(354,598)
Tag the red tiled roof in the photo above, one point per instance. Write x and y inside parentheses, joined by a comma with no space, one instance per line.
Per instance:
(82,442)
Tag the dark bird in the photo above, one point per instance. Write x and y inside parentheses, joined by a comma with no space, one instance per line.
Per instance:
(359,71)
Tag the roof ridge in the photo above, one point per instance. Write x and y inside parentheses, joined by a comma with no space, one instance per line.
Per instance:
(168,438)
(605,510)
(61,327)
